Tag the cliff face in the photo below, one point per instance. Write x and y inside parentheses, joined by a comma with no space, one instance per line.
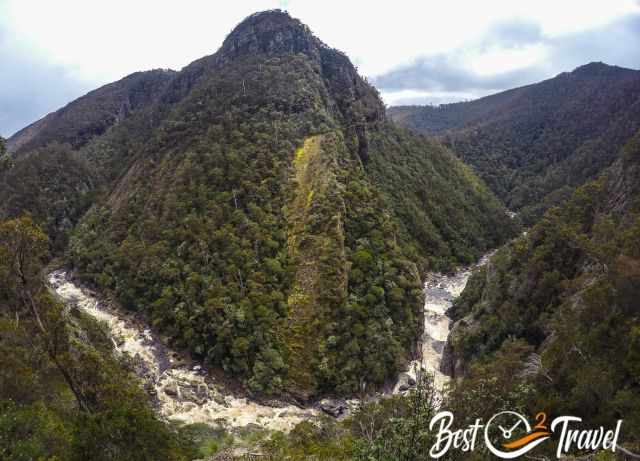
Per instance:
(273,33)
(269,33)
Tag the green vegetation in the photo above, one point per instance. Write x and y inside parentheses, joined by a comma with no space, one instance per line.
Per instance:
(535,145)
(259,210)
(447,216)
(207,440)
(258,222)
(389,429)
(568,293)
(64,394)
(53,184)
(93,114)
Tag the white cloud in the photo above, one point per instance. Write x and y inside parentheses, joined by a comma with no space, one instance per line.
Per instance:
(498,60)
(104,40)
(409,97)
(95,42)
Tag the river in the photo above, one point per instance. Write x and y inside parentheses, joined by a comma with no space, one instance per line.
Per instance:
(184,393)
(189,394)
(440,291)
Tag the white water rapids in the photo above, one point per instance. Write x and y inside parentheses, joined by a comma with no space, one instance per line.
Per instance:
(186,393)
(440,291)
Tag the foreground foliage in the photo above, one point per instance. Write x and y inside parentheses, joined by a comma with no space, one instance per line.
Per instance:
(63,395)
(387,429)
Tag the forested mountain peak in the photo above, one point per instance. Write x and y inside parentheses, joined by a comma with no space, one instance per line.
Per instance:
(261,212)
(509,103)
(275,33)
(533,145)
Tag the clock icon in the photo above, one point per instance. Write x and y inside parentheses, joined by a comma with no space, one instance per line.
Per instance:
(508,435)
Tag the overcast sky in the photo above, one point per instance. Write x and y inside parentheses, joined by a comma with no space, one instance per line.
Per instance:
(414,51)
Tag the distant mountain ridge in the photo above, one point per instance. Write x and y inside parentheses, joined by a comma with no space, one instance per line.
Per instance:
(533,145)
(436,120)
(91,115)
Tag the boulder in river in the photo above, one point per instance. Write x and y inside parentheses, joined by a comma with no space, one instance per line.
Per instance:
(333,407)
(405,382)
(171,389)
(141,368)
(197,393)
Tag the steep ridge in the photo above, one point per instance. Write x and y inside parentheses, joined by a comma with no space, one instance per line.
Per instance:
(560,305)
(534,145)
(93,114)
(263,213)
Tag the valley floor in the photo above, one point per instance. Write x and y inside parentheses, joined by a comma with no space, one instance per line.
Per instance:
(184,393)
(188,394)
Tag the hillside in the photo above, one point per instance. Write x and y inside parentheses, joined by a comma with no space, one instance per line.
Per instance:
(65,394)
(534,145)
(53,184)
(92,114)
(253,258)
(562,303)
(249,207)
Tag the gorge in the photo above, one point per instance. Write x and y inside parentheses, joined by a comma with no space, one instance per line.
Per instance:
(186,392)
(254,257)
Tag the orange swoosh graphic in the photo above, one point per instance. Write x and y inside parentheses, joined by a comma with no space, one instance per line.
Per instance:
(526,439)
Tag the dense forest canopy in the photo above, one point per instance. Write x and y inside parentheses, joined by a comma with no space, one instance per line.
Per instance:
(263,213)
(567,293)
(534,145)
(252,198)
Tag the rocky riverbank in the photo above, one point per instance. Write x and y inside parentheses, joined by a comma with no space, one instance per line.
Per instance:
(440,291)
(182,392)
(188,393)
